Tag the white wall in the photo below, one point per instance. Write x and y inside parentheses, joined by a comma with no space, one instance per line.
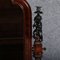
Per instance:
(51,26)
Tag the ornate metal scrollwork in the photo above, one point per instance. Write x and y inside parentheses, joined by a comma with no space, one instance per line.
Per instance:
(37,35)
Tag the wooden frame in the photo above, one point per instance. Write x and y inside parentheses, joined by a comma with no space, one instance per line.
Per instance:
(27,28)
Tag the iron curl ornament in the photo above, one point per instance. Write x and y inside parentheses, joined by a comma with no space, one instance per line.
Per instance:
(37,35)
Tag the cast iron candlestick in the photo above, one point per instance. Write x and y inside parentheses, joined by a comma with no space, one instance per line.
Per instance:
(37,35)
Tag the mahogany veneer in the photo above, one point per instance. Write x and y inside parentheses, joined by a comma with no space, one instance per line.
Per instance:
(15,30)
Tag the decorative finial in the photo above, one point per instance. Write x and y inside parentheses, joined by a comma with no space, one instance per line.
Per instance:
(38,10)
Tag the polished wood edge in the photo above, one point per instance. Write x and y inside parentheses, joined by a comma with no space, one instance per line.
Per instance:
(27,28)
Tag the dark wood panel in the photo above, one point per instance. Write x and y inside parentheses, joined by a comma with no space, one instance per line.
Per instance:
(10,12)
(11,31)
(11,52)
(11,41)
(11,21)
